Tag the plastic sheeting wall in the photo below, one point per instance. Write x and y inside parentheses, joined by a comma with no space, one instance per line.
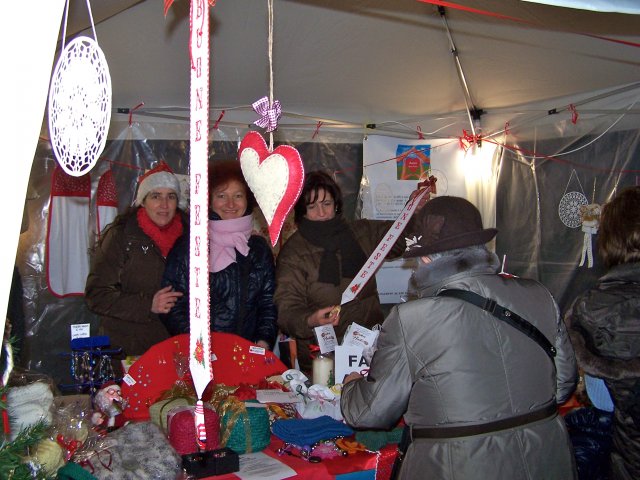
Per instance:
(48,318)
(536,243)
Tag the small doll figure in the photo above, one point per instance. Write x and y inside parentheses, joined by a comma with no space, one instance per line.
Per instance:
(109,405)
(590,216)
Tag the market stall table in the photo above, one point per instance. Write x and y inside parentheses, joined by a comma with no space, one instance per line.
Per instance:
(355,466)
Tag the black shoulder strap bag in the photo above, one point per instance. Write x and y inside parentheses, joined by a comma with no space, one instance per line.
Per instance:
(517,322)
(504,314)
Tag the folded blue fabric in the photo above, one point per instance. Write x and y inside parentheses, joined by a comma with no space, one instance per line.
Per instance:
(304,431)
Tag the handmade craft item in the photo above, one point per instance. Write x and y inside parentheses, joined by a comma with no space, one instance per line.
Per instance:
(275,178)
(79,104)
(308,433)
(67,237)
(590,216)
(106,201)
(27,405)
(181,429)
(569,206)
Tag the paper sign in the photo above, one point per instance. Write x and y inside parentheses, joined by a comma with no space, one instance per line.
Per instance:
(80,330)
(359,336)
(276,396)
(348,360)
(327,339)
(256,350)
(260,466)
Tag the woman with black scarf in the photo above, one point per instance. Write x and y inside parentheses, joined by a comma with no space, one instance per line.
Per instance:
(319,261)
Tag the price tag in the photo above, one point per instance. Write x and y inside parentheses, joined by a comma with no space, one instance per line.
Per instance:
(80,330)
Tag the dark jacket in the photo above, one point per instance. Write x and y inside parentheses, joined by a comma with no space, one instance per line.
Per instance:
(604,324)
(299,293)
(443,362)
(126,269)
(241,294)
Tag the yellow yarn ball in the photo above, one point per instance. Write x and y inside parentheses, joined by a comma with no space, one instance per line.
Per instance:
(50,455)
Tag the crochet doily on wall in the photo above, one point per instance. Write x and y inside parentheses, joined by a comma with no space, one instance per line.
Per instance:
(79,106)
(569,208)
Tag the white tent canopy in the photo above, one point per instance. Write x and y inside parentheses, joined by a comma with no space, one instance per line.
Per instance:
(371,62)
(359,66)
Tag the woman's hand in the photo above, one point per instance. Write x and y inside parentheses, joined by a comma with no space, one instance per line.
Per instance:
(164,300)
(324,316)
(351,377)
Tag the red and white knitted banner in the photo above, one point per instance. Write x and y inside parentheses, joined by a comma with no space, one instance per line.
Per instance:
(200,343)
(383,248)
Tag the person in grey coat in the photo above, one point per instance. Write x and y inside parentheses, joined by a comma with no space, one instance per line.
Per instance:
(479,397)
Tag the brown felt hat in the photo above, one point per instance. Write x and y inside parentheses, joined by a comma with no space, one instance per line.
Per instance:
(445,223)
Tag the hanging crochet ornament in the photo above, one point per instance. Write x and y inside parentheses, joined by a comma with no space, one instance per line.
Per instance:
(590,216)
(79,104)
(275,178)
(569,207)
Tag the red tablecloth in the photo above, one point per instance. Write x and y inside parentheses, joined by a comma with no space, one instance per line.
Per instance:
(154,372)
(378,464)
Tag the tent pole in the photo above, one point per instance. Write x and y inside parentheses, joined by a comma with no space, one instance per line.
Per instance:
(473,113)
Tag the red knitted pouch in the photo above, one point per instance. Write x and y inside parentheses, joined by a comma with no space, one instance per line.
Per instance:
(182,429)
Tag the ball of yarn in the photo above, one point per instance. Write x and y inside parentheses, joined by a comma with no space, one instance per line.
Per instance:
(50,455)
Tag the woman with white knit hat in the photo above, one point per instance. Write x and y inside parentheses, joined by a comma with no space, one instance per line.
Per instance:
(123,286)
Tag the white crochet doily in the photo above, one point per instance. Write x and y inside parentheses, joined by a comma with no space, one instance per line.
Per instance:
(569,208)
(79,106)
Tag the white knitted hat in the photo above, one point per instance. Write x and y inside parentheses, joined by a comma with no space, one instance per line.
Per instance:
(160,176)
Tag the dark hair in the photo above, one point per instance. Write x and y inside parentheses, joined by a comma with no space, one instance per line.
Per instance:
(619,232)
(222,172)
(313,183)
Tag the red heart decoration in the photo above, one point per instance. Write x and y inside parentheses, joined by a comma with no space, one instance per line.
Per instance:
(275,178)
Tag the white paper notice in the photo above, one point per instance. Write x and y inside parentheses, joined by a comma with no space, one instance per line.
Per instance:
(80,330)
(276,396)
(327,339)
(260,466)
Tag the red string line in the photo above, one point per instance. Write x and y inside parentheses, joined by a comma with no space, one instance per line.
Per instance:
(574,113)
(456,6)
(215,125)
(141,104)
(552,158)
(420,135)
(318,125)
(120,164)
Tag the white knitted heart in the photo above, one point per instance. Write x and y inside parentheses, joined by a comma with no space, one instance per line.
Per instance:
(275,178)
(268,180)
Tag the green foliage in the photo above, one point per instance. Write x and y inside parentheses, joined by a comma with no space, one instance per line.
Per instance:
(13,465)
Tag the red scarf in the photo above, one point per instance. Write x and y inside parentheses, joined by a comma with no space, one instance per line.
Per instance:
(163,237)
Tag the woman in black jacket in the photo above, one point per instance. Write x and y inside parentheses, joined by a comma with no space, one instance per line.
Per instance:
(604,325)
(241,265)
